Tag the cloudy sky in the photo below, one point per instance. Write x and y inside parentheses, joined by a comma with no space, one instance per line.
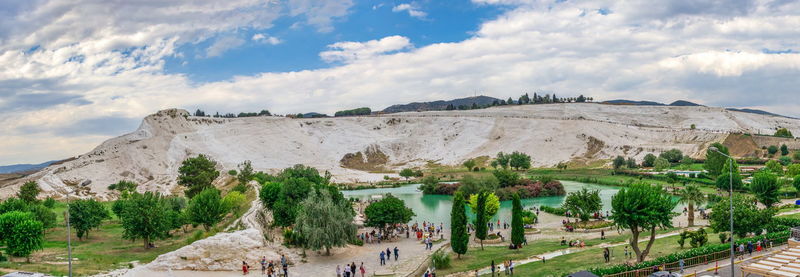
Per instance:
(76,72)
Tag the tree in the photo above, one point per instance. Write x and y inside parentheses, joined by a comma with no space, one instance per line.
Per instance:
(687,161)
(747,217)
(785,160)
(469,164)
(649,160)
(85,215)
(472,185)
(269,193)
(503,160)
(619,161)
(324,224)
(517,228)
(407,173)
(772,149)
(661,164)
(147,216)
(630,163)
(459,238)
(583,203)
(29,191)
(124,186)
(796,183)
(765,187)
(784,150)
(639,208)
(233,202)
(672,155)
(389,210)
(25,237)
(10,219)
(506,178)
(715,161)
(245,172)
(44,215)
(691,196)
(774,167)
(491,207)
(783,132)
(520,160)
(793,170)
(206,208)
(724,183)
(197,174)
(481,220)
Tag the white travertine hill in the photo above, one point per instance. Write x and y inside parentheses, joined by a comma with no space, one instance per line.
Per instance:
(550,133)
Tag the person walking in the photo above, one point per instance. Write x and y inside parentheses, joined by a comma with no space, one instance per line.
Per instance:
(493,268)
(338,271)
(353,269)
(602,234)
(681,264)
(263,265)
(511,267)
(396,253)
(388,254)
(285,270)
(270,269)
(383,258)
(606,254)
(363,270)
(244,268)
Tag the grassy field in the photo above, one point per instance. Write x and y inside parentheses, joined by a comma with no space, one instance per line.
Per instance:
(602,176)
(104,249)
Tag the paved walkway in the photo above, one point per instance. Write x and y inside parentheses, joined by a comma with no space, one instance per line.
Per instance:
(723,267)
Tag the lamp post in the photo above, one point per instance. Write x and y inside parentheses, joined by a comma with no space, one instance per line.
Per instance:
(69,243)
(730,195)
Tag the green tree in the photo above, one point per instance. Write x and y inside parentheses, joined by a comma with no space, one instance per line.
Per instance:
(618,162)
(206,208)
(785,160)
(796,156)
(517,228)
(24,238)
(10,219)
(245,172)
(686,161)
(459,238)
(13,204)
(672,155)
(492,204)
(784,150)
(44,215)
(772,149)
(233,202)
(649,160)
(774,167)
(765,187)
(520,160)
(723,181)
(630,163)
(747,217)
(407,173)
(503,160)
(124,186)
(429,184)
(471,185)
(269,193)
(506,178)
(661,164)
(583,203)
(715,161)
(323,223)
(640,208)
(147,216)
(783,132)
(29,191)
(691,196)
(469,164)
(387,211)
(197,174)
(85,215)
(796,183)
(481,220)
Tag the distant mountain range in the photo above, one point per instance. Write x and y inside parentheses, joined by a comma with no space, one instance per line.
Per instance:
(441,104)
(14,168)
(685,103)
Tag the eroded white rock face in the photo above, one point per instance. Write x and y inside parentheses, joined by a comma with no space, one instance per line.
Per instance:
(221,252)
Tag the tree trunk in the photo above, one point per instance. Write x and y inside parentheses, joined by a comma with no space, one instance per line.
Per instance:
(649,244)
(691,214)
(635,243)
(481,244)
(146,243)
(327,251)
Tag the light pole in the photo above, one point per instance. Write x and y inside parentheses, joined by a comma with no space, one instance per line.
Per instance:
(730,195)
(69,243)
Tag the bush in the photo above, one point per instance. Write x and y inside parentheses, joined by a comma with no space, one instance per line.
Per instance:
(232,172)
(772,149)
(49,202)
(440,259)
(552,210)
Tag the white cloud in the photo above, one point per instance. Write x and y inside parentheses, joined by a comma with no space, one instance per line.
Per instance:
(223,44)
(350,51)
(412,10)
(264,38)
(90,64)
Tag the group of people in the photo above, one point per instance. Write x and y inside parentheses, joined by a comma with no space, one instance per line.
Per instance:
(269,268)
(508,268)
(387,255)
(751,247)
(573,243)
(350,270)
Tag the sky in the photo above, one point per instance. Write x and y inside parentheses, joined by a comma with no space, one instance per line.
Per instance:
(74,73)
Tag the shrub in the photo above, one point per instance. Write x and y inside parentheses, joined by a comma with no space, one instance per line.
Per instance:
(232,172)
(440,259)
(49,202)
(552,210)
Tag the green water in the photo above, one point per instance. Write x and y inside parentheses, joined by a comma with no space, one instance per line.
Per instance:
(436,208)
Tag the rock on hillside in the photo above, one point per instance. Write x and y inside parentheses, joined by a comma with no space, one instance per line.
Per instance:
(350,147)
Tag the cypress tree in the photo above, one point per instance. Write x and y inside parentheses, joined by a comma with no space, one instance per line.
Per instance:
(517,229)
(459,238)
(481,229)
